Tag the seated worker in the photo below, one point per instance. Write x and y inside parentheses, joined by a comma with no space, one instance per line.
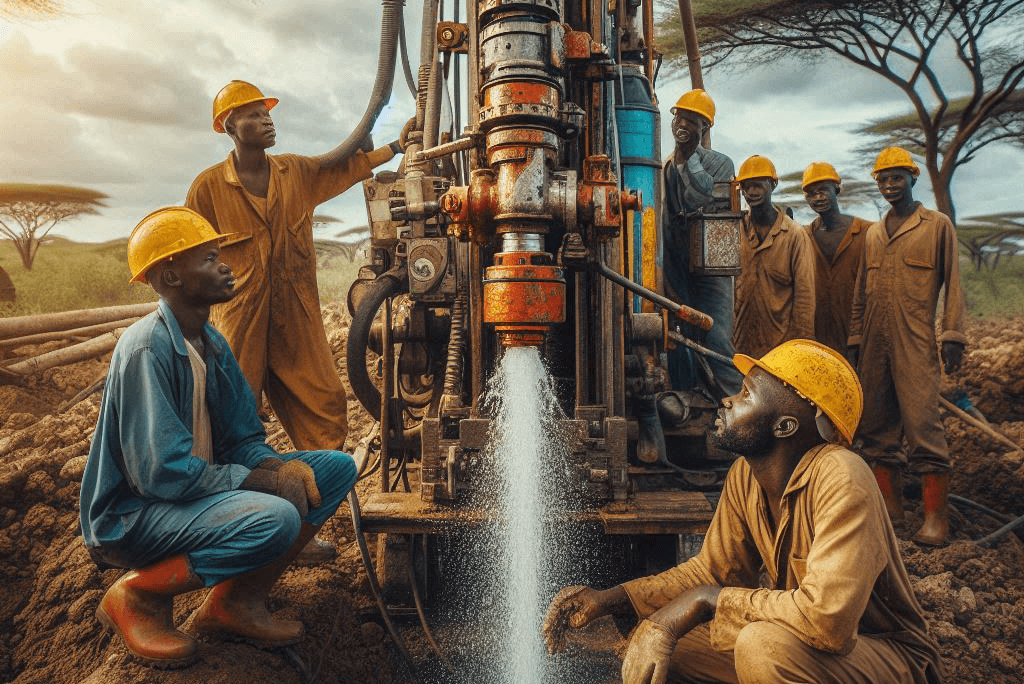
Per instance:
(838,241)
(775,288)
(180,486)
(800,577)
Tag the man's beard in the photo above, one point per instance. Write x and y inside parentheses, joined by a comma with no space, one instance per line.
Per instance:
(752,441)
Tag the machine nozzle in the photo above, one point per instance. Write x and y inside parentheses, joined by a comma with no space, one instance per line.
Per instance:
(524,293)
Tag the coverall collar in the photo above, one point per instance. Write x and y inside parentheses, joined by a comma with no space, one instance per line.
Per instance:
(163,310)
(801,476)
(777,227)
(855,228)
(231,173)
(911,222)
(278,166)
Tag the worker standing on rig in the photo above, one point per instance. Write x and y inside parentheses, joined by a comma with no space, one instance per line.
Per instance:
(838,249)
(800,577)
(274,325)
(775,288)
(910,255)
(180,485)
(689,178)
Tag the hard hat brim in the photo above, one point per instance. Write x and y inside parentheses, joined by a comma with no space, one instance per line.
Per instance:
(141,277)
(675,110)
(218,124)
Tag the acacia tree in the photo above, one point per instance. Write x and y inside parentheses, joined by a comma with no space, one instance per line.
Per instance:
(900,42)
(29,211)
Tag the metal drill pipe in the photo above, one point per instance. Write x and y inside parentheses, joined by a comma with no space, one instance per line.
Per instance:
(681,311)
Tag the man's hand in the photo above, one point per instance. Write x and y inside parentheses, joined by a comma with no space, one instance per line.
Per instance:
(297,483)
(952,356)
(853,354)
(575,607)
(648,656)
(650,649)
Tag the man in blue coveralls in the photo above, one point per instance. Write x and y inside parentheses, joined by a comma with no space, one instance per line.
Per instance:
(180,485)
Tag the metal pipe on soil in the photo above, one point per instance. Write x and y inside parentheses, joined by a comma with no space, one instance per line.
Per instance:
(29,325)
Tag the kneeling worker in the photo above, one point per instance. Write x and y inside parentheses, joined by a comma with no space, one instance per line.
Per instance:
(835,603)
(180,485)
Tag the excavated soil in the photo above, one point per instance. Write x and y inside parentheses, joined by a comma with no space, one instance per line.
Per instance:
(974,596)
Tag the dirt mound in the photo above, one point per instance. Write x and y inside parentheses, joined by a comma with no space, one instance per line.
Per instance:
(973,596)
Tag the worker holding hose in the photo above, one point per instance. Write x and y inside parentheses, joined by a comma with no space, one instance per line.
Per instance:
(800,577)
(180,486)
(910,256)
(273,324)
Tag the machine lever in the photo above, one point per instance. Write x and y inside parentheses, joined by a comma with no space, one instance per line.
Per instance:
(681,311)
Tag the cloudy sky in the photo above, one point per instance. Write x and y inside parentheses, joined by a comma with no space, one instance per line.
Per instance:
(116,95)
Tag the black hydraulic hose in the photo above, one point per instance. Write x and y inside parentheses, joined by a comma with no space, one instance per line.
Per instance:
(366,392)
(406,68)
(1001,532)
(391,23)
(419,602)
(456,343)
(371,576)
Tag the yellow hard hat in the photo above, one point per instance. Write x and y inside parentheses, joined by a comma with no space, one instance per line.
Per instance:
(820,374)
(164,233)
(236,94)
(895,158)
(697,101)
(757,167)
(819,171)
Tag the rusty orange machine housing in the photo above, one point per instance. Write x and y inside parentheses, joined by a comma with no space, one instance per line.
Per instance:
(523,297)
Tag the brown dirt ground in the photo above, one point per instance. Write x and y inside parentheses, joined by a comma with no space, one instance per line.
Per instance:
(48,634)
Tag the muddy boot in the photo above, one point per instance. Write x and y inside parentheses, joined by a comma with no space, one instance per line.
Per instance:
(236,609)
(316,552)
(890,481)
(935,501)
(650,447)
(139,608)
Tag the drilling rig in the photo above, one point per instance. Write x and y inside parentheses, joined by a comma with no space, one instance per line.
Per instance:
(534,222)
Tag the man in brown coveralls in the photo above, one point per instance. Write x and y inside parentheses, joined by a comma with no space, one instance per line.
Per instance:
(800,577)
(273,324)
(908,257)
(775,288)
(838,248)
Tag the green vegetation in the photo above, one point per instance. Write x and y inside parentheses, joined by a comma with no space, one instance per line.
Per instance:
(71,275)
(995,291)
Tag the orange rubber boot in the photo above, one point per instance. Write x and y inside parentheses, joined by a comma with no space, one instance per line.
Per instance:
(236,609)
(890,481)
(935,500)
(139,607)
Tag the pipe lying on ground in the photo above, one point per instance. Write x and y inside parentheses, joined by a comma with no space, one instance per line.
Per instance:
(1001,532)
(40,323)
(971,420)
(88,331)
(77,352)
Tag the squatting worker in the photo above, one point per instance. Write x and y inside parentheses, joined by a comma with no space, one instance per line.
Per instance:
(838,248)
(800,577)
(180,485)
(689,177)
(909,256)
(775,288)
(273,324)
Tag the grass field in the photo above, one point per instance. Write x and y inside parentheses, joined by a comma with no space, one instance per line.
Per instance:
(69,275)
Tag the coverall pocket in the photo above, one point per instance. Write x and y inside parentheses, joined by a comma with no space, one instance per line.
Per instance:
(797,570)
(239,252)
(301,236)
(917,276)
(780,277)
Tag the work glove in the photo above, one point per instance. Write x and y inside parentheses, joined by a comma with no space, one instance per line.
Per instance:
(952,356)
(648,654)
(293,481)
(575,607)
(853,354)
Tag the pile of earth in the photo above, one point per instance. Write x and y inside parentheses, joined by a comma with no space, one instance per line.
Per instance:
(973,596)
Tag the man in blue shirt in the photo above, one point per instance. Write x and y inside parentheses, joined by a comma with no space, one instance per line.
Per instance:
(180,485)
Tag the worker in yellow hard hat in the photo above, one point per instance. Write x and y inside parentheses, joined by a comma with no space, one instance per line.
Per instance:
(274,324)
(910,257)
(838,241)
(180,486)
(689,176)
(800,577)
(775,298)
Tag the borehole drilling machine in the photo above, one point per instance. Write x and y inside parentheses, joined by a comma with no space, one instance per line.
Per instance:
(533,224)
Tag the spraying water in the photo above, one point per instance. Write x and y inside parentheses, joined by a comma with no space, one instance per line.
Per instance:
(523,450)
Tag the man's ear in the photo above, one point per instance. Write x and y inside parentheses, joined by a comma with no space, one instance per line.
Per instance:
(169,275)
(786,426)
(826,428)
(775,183)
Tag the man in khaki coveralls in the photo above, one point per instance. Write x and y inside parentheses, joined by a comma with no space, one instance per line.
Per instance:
(273,325)
(838,248)
(909,256)
(800,576)
(775,288)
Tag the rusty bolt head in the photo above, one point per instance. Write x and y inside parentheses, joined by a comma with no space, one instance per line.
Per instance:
(451,204)
(448,34)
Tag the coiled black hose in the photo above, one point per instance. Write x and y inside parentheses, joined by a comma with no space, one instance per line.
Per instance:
(387,285)
(456,342)
(391,23)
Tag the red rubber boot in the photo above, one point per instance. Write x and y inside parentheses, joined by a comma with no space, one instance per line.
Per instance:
(935,500)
